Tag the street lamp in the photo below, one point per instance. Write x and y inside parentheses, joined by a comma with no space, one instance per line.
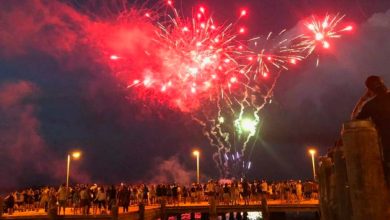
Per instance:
(312,152)
(75,155)
(196,153)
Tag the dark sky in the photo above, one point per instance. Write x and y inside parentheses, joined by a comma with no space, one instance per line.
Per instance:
(54,99)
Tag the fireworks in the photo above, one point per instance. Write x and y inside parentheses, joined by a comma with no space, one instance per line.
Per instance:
(323,31)
(199,60)
(202,66)
(248,125)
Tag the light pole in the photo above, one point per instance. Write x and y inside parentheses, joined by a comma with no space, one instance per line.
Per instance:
(74,155)
(312,152)
(196,153)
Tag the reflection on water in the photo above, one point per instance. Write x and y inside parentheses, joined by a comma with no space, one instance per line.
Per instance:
(255,215)
(249,216)
(258,216)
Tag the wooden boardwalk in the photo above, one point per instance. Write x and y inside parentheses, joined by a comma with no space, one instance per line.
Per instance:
(154,212)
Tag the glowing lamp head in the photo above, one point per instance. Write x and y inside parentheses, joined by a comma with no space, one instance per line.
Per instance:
(242,30)
(202,9)
(196,153)
(169,2)
(221,120)
(76,155)
(312,152)
(311,27)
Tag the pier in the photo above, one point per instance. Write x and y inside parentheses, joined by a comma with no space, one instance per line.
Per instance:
(275,211)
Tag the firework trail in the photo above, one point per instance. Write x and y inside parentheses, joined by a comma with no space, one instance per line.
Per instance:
(203,67)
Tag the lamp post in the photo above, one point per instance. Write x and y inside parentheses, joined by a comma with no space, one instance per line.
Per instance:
(74,155)
(196,153)
(312,152)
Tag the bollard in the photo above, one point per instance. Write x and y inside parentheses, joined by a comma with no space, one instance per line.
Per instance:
(369,195)
(163,211)
(213,209)
(264,208)
(324,173)
(52,213)
(52,208)
(342,196)
(114,212)
(141,211)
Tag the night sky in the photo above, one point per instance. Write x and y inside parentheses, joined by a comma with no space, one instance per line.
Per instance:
(54,98)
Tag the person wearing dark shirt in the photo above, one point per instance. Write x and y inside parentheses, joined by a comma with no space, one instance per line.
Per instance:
(112,196)
(375,105)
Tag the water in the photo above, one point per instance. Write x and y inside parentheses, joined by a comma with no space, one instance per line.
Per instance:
(259,216)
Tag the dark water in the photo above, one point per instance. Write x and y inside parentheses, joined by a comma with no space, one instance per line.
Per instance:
(258,216)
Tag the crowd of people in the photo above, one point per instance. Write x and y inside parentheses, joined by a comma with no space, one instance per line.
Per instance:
(101,199)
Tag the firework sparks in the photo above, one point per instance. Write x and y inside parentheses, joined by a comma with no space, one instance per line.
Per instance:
(199,60)
(198,64)
(323,31)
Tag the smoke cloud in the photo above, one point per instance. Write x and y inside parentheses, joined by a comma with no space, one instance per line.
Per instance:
(171,171)
(47,26)
(24,155)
